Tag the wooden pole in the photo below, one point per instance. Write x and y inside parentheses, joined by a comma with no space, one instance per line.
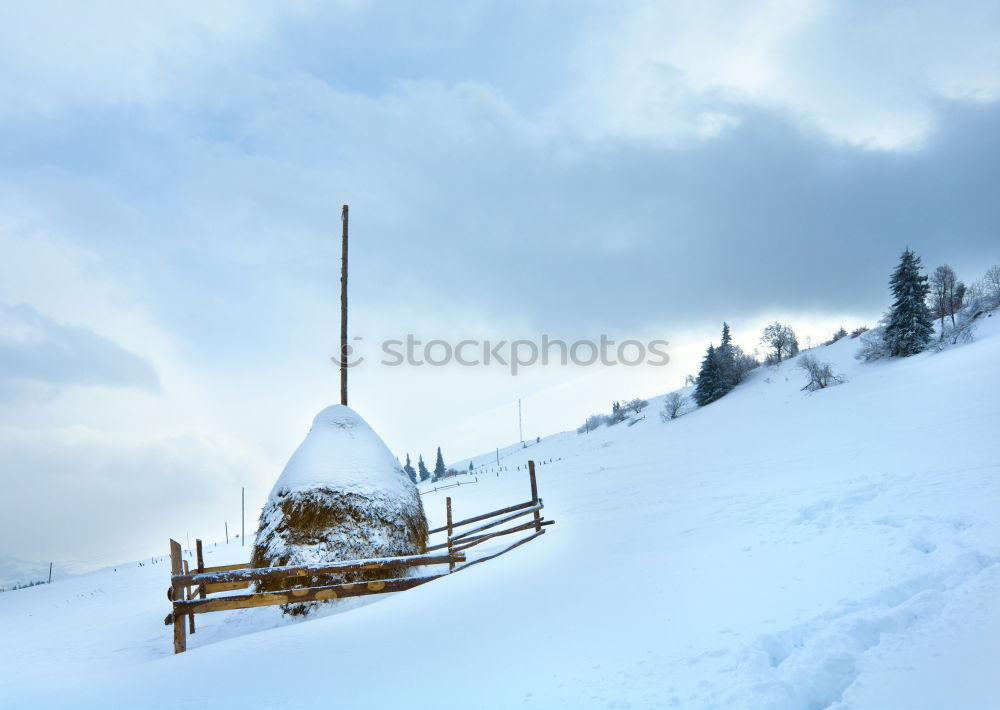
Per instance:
(534,495)
(343,308)
(227,531)
(201,566)
(451,529)
(243,516)
(50,573)
(188,597)
(176,568)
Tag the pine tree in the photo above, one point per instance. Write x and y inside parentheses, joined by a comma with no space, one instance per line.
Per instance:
(422,469)
(909,326)
(707,387)
(725,356)
(408,469)
(471,467)
(439,469)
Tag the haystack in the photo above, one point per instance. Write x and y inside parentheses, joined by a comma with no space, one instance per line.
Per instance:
(341,496)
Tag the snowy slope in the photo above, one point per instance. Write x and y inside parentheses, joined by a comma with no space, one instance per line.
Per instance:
(776,549)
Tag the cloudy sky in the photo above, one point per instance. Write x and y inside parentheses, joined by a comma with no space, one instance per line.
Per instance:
(171,182)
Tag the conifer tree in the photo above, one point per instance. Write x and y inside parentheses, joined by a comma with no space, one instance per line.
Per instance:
(725,356)
(909,326)
(439,469)
(706,390)
(408,469)
(422,469)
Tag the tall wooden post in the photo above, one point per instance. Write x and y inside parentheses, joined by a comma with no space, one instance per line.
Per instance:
(343,309)
(534,494)
(187,597)
(176,593)
(243,516)
(201,567)
(451,551)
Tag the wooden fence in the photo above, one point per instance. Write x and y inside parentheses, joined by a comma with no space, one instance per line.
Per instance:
(190,589)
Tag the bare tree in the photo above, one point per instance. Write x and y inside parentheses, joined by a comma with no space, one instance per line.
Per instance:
(957,301)
(991,282)
(942,284)
(636,405)
(947,293)
(673,405)
(782,341)
(743,364)
(820,373)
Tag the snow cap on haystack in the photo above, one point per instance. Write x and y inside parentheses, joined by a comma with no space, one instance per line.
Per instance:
(341,496)
(342,451)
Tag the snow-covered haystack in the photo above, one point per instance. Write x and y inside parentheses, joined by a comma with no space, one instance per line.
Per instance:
(342,496)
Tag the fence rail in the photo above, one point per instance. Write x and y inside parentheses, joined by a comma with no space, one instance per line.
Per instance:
(189,589)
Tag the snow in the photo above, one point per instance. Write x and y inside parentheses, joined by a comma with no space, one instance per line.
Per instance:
(342,462)
(776,549)
(342,452)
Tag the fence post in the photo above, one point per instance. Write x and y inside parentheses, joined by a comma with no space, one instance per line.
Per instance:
(201,568)
(180,637)
(451,551)
(534,494)
(187,596)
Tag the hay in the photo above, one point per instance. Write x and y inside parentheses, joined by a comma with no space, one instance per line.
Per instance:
(342,496)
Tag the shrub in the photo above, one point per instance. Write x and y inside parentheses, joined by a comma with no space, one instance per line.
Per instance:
(673,406)
(820,373)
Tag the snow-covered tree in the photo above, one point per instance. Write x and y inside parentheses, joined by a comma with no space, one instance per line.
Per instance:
(743,364)
(636,405)
(946,295)
(673,405)
(782,341)
(909,324)
(471,467)
(820,373)
(725,356)
(409,471)
(710,386)
(734,364)
(422,471)
(842,333)
(991,283)
(592,422)
(439,468)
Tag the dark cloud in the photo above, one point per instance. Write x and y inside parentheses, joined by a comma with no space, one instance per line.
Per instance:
(764,216)
(34,349)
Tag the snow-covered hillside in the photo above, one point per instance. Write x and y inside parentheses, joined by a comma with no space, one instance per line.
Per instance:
(776,549)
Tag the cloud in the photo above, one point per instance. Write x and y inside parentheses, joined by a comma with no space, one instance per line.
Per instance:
(34,349)
(867,74)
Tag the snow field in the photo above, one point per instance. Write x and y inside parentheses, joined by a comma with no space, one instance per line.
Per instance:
(774,550)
